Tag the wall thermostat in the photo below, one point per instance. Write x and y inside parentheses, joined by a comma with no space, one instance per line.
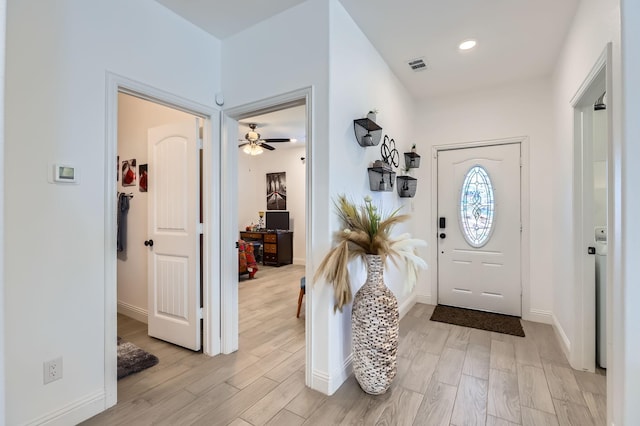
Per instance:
(65,173)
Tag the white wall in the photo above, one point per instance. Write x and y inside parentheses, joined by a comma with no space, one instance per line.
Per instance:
(623,400)
(58,54)
(329,53)
(3,12)
(600,142)
(292,49)
(521,109)
(596,23)
(252,172)
(362,81)
(135,117)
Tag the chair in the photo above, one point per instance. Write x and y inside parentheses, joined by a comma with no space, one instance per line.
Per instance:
(246,261)
(302,293)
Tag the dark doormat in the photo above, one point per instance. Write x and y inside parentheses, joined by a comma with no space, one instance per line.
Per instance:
(489,321)
(132,359)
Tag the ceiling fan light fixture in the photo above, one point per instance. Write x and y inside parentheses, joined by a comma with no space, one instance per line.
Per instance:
(253,149)
(252,136)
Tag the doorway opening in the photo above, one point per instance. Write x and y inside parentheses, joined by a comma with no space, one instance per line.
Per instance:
(453,246)
(592,136)
(479,215)
(291,166)
(169,307)
(271,218)
(210,228)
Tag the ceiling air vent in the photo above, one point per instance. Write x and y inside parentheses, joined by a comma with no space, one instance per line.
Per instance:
(417,64)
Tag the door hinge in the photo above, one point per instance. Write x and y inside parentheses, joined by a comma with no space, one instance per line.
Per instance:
(200,313)
(200,143)
(200,228)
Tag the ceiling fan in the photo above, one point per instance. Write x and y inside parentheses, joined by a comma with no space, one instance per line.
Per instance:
(254,143)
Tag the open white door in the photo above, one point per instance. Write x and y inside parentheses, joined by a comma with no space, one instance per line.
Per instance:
(479,240)
(174,241)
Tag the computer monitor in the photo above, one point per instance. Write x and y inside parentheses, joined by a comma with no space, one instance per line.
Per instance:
(277,220)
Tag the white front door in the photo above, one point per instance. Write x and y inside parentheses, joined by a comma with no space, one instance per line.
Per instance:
(174,242)
(479,228)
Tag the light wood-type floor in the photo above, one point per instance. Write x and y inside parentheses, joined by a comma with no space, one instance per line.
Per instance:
(447,375)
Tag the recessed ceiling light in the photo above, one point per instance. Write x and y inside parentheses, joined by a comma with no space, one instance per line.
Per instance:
(467,44)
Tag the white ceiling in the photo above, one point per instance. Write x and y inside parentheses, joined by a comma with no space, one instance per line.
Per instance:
(517,39)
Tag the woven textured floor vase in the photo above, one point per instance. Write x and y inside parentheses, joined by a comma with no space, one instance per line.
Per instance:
(374,328)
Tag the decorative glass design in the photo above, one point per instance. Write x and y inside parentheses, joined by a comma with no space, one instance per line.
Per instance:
(477,207)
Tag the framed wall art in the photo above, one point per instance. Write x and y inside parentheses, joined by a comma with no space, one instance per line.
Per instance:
(277,191)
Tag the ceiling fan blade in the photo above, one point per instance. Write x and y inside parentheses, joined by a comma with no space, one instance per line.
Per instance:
(265,146)
(243,144)
(275,140)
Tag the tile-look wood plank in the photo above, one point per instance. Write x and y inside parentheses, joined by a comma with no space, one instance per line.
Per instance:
(213,398)
(412,343)
(597,405)
(399,409)
(437,405)
(527,353)
(532,417)
(589,382)
(534,391)
(503,356)
(239,422)
(285,418)
(258,369)
(267,306)
(237,404)
(458,338)
(497,421)
(263,410)
(476,361)
(283,370)
(572,414)
(436,338)
(419,372)
(166,407)
(306,402)
(470,407)
(562,383)
(449,368)
(503,399)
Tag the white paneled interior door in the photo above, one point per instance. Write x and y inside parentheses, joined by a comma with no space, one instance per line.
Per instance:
(174,242)
(479,235)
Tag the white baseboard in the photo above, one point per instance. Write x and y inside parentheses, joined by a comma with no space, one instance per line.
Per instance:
(74,413)
(299,261)
(565,343)
(538,315)
(326,384)
(407,305)
(424,298)
(131,311)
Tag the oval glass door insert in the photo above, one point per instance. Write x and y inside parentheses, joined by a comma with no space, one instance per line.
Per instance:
(477,207)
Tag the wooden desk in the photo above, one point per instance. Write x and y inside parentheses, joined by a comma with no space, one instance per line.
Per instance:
(277,246)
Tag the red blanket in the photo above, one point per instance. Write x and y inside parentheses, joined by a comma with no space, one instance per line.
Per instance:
(246,259)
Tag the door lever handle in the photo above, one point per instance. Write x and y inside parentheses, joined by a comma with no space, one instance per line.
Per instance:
(148,243)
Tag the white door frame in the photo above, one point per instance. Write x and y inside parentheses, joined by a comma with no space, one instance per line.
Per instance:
(211,220)
(582,351)
(229,173)
(527,312)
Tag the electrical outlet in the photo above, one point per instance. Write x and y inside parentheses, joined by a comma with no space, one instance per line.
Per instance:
(52,370)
